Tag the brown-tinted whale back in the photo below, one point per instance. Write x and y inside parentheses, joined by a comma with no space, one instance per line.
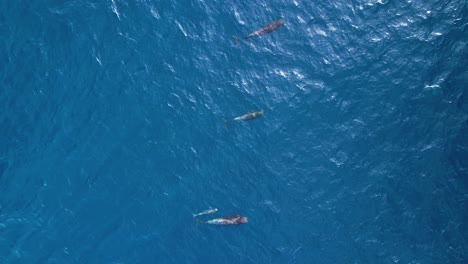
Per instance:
(264,30)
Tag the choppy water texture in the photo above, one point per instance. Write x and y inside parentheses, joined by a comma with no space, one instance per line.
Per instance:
(111,131)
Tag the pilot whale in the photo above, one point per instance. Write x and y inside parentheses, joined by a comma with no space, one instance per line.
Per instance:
(226,220)
(264,30)
(208,211)
(248,116)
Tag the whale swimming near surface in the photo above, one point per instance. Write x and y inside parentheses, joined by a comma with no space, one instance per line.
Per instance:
(248,116)
(226,220)
(264,30)
(208,211)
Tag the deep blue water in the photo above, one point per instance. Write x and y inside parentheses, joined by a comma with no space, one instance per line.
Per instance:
(111,131)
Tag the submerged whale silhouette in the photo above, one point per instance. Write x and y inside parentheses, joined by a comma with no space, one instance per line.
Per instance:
(248,116)
(264,30)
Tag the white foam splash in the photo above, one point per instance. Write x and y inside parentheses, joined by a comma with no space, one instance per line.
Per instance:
(280,72)
(98,60)
(331,27)
(155,13)
(237,15)
(114,9)
(433,86)
(181,29)
(321,32)
(301,20)
(298,74)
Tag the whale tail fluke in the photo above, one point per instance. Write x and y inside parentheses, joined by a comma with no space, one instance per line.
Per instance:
(197,221)
(225,122)
(236,39)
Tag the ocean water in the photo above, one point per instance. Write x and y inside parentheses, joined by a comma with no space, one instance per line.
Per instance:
(111,131)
